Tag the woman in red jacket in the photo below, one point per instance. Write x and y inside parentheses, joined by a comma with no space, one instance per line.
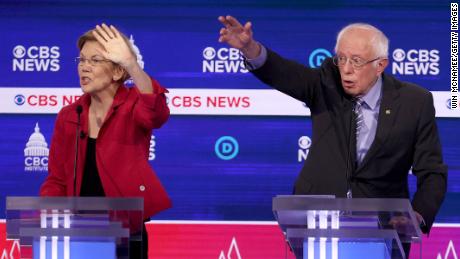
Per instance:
(115,125)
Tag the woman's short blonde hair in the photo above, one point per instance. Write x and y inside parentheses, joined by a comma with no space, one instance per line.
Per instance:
(88,36)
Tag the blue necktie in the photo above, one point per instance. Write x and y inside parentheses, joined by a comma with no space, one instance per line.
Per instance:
(359,119)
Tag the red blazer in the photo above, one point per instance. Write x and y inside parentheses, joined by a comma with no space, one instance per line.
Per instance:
(121,148)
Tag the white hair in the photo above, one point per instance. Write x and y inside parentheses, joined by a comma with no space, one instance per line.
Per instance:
(379,41)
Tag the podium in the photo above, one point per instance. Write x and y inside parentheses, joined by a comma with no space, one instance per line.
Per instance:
(326,227)
(74,227)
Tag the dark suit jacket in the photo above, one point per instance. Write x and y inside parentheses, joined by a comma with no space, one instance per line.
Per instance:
(406,137)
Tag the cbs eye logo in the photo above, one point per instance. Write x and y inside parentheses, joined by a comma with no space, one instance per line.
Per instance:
(19,51)
(209,53)
(19,99)
(304,142)
(399,55)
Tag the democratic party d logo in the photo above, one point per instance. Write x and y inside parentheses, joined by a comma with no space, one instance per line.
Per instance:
(226,148)
(317,57)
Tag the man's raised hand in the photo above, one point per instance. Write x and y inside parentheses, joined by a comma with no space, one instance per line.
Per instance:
(239,36)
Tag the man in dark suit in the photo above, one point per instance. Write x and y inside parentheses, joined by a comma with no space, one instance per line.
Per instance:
(369,128)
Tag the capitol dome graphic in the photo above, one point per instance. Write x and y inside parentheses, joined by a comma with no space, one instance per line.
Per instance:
(36,146)
(137,52)
(129,82)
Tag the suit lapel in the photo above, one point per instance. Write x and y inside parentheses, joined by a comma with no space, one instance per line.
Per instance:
(389,107)
(119,98)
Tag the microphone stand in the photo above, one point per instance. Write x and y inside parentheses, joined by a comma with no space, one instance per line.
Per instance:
(77,142)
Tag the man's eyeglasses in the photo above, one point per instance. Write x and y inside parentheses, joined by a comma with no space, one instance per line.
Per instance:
(356,62)
(92,61)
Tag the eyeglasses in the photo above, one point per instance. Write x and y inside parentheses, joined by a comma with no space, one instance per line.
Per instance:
(356,62)
(92,61)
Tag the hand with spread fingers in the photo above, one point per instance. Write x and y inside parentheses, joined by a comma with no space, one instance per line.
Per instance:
(239,36)
(116,48)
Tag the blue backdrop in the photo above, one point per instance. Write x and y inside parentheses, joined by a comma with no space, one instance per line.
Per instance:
(172,37)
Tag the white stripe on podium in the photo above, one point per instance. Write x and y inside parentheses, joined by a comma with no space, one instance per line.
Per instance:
(43,238)
(66,238)
(54,239)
